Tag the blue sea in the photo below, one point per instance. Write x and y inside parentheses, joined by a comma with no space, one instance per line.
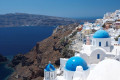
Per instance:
(14,40)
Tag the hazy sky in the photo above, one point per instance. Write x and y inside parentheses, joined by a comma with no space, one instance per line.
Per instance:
(62,8)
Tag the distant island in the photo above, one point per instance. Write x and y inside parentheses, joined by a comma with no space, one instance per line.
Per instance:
(24,19)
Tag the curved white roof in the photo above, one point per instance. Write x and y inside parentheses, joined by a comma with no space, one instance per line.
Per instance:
(108,69)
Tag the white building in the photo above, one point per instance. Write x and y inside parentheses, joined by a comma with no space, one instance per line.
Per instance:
(87,26)
(100,48)
(113,32)
(77,69)
(108,69)
(96,61)
(99,58)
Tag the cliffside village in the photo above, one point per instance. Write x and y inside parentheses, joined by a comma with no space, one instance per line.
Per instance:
(97,52)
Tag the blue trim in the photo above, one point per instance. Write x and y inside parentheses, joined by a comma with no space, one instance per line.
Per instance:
(49,71)
(50,67)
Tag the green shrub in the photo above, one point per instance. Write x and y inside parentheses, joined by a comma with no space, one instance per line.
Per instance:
(116,39)
(67,53)
(73,34)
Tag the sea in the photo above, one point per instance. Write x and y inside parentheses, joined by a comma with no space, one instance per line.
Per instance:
(20,40)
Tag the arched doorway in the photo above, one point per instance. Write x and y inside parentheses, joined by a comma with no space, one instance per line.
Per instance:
(97,55)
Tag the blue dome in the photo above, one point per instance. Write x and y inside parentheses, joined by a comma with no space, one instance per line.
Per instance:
(73,62)
(49,67)
(101,34)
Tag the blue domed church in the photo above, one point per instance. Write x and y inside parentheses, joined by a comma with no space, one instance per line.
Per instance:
(102,39)
(99,49)
(49,72)
(72,65)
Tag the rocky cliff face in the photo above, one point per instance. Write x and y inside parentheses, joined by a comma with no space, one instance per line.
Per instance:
(31,65)
(2,59)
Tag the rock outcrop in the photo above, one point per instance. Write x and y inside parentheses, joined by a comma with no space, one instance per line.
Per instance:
(3,59)
(20,58)
(30,66)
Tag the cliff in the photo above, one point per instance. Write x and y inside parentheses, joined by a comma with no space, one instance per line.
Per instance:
(30,66)
(2,59)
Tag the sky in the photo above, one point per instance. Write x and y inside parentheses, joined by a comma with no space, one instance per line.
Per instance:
(60,8)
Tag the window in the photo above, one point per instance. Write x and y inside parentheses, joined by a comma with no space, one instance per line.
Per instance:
(107,43)
(99,43)
(51,75)
(48,75)
(98,56)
